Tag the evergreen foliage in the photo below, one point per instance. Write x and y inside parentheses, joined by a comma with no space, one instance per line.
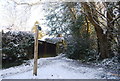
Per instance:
(16,47)
(79,45)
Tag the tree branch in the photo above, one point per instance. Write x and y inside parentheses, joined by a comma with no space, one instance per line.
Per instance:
(24,3)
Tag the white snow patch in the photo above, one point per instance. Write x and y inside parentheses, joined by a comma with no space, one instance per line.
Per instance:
(57,67)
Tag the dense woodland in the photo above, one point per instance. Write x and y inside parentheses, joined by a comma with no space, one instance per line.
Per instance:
(91,30)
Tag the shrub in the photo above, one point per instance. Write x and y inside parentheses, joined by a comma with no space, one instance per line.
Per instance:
(16,46)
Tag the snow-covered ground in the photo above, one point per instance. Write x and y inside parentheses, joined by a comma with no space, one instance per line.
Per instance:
(58,67)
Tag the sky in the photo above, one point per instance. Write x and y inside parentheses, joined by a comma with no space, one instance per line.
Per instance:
(8,16)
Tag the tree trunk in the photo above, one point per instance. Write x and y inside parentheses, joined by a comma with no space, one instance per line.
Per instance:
(102,38)
(110,30)
(102,42)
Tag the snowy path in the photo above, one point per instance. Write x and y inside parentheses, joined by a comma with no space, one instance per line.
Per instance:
(54,68)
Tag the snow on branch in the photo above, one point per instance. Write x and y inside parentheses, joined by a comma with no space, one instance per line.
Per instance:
(27,3)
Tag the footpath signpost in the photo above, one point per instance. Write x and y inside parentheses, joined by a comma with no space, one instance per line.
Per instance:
(37,28)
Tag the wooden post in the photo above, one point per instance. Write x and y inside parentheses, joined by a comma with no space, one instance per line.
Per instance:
(35,52)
